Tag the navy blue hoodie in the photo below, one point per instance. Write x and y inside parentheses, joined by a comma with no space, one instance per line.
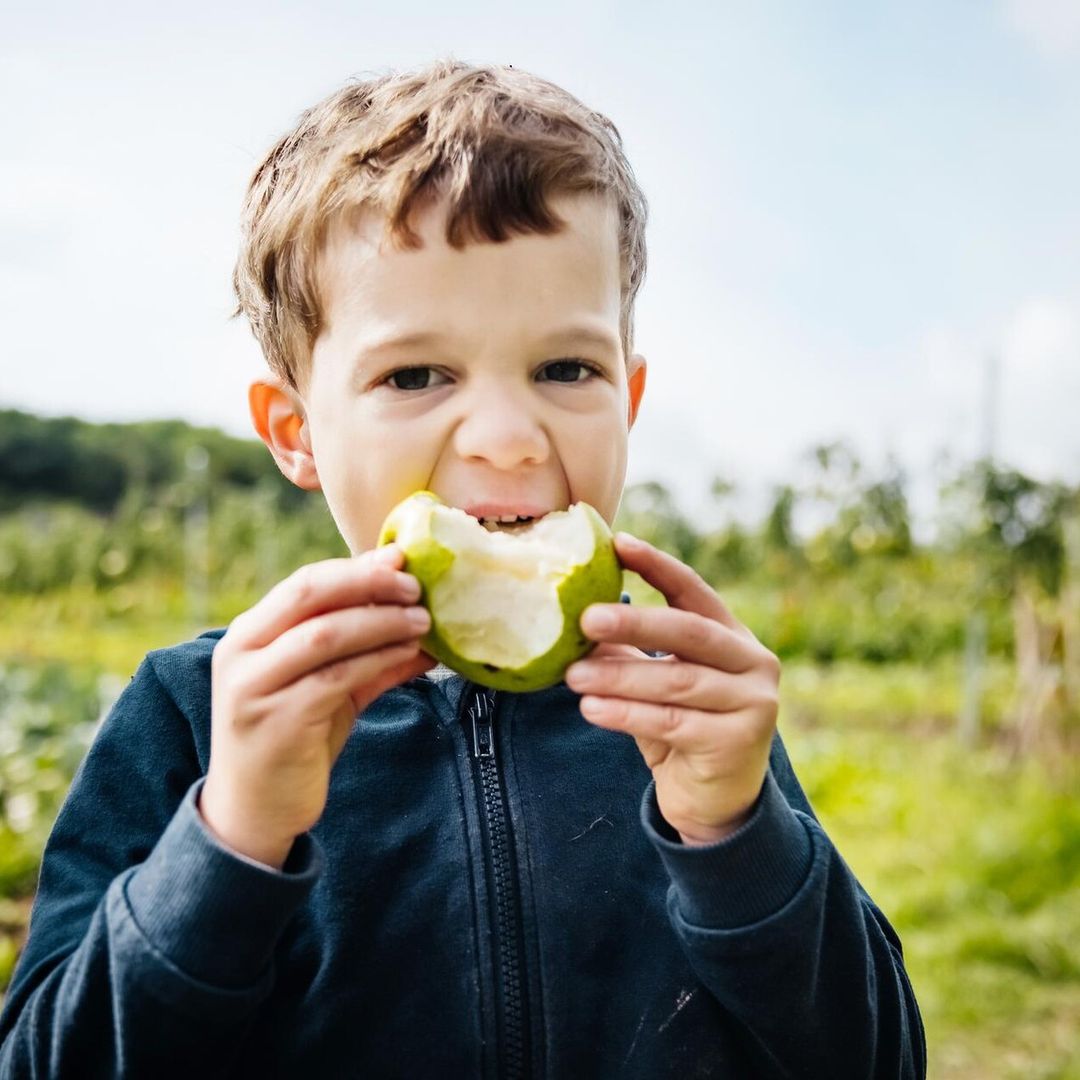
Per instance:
(490,892)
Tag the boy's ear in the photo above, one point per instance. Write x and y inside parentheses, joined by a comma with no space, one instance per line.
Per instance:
(278,415)
(635,379)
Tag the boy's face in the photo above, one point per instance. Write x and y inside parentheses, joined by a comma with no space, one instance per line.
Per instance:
(493,376)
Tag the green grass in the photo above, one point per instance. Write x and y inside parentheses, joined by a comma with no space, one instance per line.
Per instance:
(110,631)
(976,862)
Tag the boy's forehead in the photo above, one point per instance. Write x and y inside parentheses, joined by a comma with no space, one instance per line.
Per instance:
(363,274)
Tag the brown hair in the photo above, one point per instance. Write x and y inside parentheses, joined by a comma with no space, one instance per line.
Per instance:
(496,142)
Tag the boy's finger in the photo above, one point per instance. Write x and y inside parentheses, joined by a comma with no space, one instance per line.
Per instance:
(323,639)
(686,730)
(669,630)
(371,578)
(413,665)
(393,674)
(681,586)
(678,683)
(352,675)
(614,652)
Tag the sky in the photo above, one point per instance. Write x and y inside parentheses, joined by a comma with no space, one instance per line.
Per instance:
(856,211)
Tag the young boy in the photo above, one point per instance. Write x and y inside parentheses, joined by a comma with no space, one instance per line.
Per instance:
(299,848)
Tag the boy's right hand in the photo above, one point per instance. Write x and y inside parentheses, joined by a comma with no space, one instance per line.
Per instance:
(288,679)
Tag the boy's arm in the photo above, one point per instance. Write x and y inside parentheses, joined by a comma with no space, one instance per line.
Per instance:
(151,940)
(772,919)
(779,930)
(150,943)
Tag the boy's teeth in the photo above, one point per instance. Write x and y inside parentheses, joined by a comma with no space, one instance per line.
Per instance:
(504,519)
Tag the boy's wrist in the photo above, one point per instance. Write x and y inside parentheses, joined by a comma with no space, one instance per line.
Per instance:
(216,916)
(239,837)
(704,836)
(749,877)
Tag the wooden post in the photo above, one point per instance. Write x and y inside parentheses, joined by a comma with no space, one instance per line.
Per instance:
(974,664)
(1070,623)
(975,634)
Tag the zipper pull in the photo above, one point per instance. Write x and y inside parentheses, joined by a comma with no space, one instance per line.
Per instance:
(481,710)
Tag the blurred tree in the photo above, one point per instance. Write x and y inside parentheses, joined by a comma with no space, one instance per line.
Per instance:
(95,464)
(867,516)
(879,522)
(649,510)
(1012,522)
(721,490)
(1013,526)
(54,459)
(778,532)
(725,554)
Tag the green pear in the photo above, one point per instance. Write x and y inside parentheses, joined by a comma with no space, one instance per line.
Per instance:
(506,605)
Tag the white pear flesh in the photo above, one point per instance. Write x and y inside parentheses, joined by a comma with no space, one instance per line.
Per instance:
(497,574)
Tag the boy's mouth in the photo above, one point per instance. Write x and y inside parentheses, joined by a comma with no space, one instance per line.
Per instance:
(497,518)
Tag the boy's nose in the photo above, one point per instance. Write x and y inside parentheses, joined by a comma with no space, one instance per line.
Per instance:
(500,430)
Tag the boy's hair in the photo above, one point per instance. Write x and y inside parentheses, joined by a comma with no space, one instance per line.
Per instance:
(496,142)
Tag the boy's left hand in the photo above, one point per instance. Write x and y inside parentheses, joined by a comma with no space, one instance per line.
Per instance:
(703,716)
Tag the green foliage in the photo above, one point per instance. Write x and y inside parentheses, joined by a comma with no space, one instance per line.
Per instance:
(242,541)
(96,465)
(1012,523)
(868,516)
(102,629)
(649,510)
(917,699)
(778,533)
(975,859)
(47,718)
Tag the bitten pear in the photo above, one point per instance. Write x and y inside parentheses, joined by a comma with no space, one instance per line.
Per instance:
(506,605)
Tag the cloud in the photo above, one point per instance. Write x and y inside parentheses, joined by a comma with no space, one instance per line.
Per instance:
(34,192)
(24,72)
(1042,340)
(1052,26)
(1037,398)
(1040,390)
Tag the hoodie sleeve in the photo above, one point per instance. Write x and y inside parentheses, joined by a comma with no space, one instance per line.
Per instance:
(150,945)
(786,939)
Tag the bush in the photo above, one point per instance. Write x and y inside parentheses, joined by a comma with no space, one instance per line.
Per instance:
(48,714)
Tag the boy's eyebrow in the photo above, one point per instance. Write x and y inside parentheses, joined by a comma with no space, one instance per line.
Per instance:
(396,342)
(582,334)
(371,354)
(417,339)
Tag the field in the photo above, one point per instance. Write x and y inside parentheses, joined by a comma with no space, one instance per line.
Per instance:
(976,861)
(973,853)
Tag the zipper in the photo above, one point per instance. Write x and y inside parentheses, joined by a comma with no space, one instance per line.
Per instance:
(502,882)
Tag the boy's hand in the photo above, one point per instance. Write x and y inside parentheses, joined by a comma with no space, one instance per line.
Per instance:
(703,717)
(289,678)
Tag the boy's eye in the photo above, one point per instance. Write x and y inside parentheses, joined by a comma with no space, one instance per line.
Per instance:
(568,371)
(413,378)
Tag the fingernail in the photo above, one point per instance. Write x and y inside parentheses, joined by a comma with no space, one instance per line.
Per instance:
(407,586)
(418,618)
(626,540)
(387,553)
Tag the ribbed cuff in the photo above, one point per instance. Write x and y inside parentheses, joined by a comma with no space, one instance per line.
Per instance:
(743,878)
(212,912)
